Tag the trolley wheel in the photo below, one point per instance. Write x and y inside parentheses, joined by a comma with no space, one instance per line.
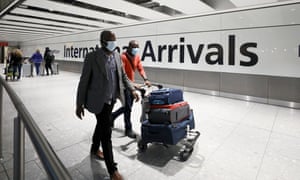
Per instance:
(185,154)
(142,146)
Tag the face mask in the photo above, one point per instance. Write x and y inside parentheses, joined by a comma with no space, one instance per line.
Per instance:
(134,51)
(111,45)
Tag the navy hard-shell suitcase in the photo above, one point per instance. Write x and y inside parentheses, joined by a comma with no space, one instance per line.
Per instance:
(166,96)
(167,134)
(167,114)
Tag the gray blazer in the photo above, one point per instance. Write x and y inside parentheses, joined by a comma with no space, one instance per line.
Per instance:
(94,81)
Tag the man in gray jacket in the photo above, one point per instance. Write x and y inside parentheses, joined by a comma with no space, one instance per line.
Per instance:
(102,81)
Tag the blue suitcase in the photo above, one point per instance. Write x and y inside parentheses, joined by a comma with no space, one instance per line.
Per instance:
(166,96)
(167,134)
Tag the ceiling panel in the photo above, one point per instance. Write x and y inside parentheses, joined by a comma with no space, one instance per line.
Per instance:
(128,8)
(65,8)
(32,19)
(36,26)
(243,3)
(18,38)
(45,15)
(46,22)
(7,30)
(29,29)
(26,34)
(191,7)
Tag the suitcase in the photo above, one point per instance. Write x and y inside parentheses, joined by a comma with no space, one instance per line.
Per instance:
(167,114)
(55,68)
(27,70)
(42,69)
(166,96)
(167,134)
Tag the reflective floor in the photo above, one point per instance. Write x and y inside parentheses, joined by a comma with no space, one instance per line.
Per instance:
(239,140)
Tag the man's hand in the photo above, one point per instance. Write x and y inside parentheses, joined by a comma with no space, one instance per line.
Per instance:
(148,83)
(79,112)
(135,95)
(137,86)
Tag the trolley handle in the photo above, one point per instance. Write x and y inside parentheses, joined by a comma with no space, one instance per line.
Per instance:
(142,88)
(159,86)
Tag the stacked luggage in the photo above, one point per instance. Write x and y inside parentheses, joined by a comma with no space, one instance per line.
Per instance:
(168,118)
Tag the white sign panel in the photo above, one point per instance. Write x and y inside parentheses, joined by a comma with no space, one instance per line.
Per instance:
(256,51)
(236,42)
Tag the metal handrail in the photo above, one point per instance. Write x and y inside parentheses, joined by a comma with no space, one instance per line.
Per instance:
(52,164)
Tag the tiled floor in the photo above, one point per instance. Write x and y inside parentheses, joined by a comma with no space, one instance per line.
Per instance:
(239,140)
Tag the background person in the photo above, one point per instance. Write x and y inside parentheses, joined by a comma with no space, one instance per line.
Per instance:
(16,61)
(37,59)
(102,81)
(131,62)
(48,57)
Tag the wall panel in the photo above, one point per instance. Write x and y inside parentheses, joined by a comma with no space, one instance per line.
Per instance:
(249,53)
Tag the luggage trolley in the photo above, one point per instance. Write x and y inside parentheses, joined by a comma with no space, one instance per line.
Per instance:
(166,133)
(8,71)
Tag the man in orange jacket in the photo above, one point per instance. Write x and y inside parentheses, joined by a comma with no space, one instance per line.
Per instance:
(131,62)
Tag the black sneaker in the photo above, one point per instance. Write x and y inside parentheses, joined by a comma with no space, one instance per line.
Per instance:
(130,134)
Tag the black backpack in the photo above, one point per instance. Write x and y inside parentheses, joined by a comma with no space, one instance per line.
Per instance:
(50,58)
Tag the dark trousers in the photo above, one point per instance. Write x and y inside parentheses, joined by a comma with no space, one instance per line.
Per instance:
(17,68)
(102,134)
(126,110)
(37,68)
(48,66)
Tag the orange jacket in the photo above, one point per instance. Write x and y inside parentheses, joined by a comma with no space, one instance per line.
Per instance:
(131,67)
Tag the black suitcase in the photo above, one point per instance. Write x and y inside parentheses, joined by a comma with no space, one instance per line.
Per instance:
(167,114)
